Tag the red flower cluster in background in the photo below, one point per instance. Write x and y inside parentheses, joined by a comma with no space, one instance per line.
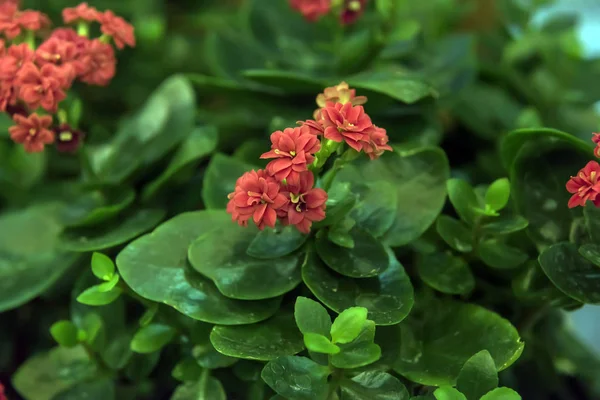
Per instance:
(348,11)
(35,79)
(285,190)
(586,185)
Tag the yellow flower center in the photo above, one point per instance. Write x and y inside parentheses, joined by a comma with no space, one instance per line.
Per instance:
(32,132)
(295,198)
(65,136)
(354,5)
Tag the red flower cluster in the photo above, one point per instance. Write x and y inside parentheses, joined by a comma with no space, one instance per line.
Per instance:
(349,10)
(285,190)
(586,186)
(34,77)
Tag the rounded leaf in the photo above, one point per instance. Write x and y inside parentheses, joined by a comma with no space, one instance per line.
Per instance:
(463,198)
(111,235)
(450,334)
(571,273)
(373,385)
(275,243)
(320,344)
(446,273)
(367,258)
(152,338)
(478,376)
(312,317)
(297,378)
(155,266)
(220,254)
(504,225)
(498,194)
(65,333)
(591,252)
(388,297)
(102,266)
(360,352)
(219,179)
(348,324)
(448,393)
(502,393)
(97,296)
(266,340)
(499,255)
(455,233)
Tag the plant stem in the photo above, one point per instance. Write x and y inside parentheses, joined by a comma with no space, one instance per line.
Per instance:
(336,378)
(96,359)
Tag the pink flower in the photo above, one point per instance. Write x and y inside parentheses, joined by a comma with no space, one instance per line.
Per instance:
(376,142)
(13,21)
(257,196)
(82,12)
(306,204)
(312,10)
(293,150)
(345,122)
(596,139)
(32,132)
(340,93)
(585,186)
(42,86)
(62,53)
(120,30)
(352,10)
(99,63)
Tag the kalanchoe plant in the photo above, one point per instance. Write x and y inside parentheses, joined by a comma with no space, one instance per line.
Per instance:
(218,236)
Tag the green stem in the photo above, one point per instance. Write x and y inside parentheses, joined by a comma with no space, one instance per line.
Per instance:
(102,366)
(330,176)
(336,379)
(30,39)
(83,29)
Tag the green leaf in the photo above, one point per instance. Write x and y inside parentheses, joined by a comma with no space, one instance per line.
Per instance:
(446,273)
(419,178)
(395,86)
(111,235)
(366,259)
(65,333)
(360,352)
(376,202)
(448,393)
(455,233)
(320,344)
(478,376)
(96,206)
(541,162)
(187,370)
(264,341)
(275,243)
(155,266)
(463,198)
(340,202)
(204,353)
(152,338)
(297,378)
(96,296)
(502,393)
(165,120)
(504,225)
(30,261)
(571,273)
(348,325)
(220,254)
(207,388)
(499,255)
(108,286)
(219,180)
(47,374)
(102,266)
(449,335)
(199,144)
(388,297)
(311,317)
(339,238)
(373,385)
(498,194)
(98,389)
(591,252)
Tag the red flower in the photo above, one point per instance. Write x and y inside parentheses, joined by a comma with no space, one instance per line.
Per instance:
(99,63)
(62,53)
(312,10)
(13,60)
(293,150)
(32,132)
(585,186)
(376,142)
(352,10)
(257,196)
(42,86)
(306,204)
(68,140)
(13,21)
(345,122)
(70,35)
(120,30)
(596,139)
(82,12)
(340,93)
(314,127)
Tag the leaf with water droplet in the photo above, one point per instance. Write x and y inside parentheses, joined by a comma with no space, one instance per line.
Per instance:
(297,378)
